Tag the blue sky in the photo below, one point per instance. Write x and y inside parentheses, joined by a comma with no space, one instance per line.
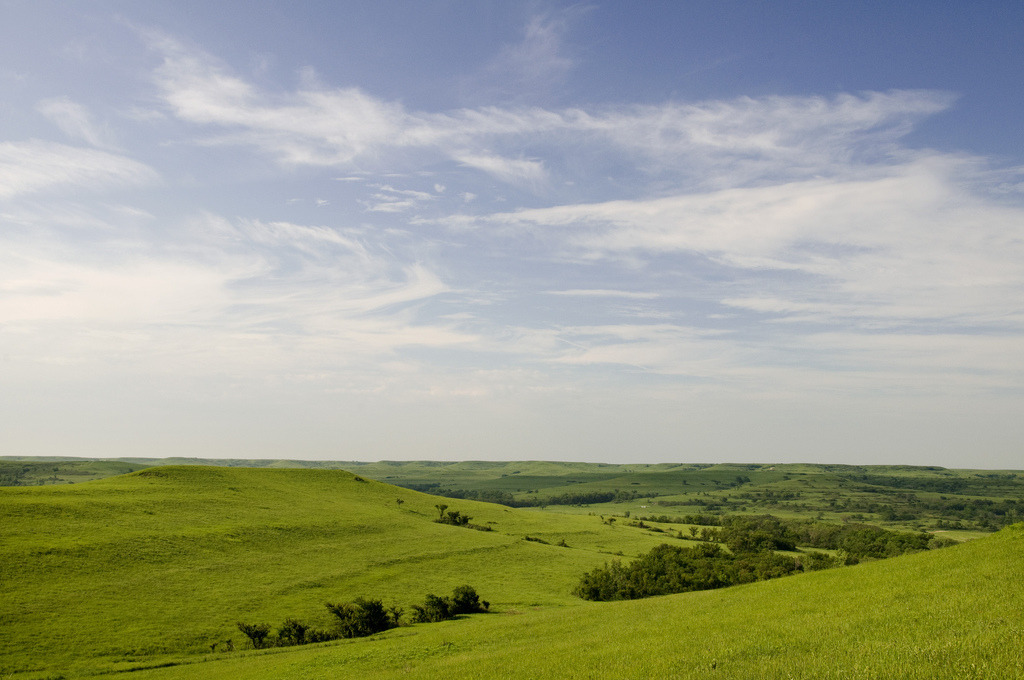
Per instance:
(684,231)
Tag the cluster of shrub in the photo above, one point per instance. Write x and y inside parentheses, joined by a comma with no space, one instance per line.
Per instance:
(507,499)
(364,617)
(891,499)
(457,519)
(699,519)
(14,474)
(752,542)
(588,497)
(672,569)
(753,533)
(855,541)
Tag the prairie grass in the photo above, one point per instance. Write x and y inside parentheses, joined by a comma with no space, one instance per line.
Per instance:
(151,568)
(163,562)
(955,613)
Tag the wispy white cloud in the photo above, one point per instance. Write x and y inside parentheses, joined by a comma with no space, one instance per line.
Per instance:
(533,66)
(314,127)
(519,171)
(32,166)
(600,292)
(275,296)
(389,199)
(912,242)
(778,137)
(717,144)
(75,121)
(805,211)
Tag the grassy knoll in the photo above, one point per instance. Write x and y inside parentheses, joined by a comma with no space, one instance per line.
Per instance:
(159,564)
(953,613)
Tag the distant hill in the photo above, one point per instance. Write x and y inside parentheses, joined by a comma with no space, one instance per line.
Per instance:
(962,503)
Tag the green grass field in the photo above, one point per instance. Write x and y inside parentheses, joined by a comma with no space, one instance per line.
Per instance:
(953,613)
(163,562)
(154,567)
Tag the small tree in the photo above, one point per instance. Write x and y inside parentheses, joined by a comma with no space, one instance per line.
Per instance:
(256,632)
(465,601)
(441,507)
(432,610)
(360,617)
(455,518)
(292,632)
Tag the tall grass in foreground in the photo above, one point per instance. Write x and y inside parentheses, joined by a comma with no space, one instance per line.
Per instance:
(954,613)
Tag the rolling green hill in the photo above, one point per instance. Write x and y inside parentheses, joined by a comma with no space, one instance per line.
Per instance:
(154,567)
(162,562)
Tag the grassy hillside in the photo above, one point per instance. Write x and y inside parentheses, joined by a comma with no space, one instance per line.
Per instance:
(953,613)
(162,562)
(153,567)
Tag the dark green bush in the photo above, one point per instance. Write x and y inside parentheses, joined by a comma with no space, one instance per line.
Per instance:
(362,617)
(292,632)
(317,635)
(256,632)
(464,600)
(816,561)
(455,518)
(670,569)
(432,610)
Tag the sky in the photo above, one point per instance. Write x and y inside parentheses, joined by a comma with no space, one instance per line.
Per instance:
(694,231)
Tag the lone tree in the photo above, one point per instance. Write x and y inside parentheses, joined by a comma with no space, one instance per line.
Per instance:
(441,507)
(256,632)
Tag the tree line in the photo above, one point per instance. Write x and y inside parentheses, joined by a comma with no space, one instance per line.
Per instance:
(360,618)
(505,498)
(753,542)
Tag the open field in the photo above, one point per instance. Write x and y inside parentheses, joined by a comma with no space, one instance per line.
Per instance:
(157,566)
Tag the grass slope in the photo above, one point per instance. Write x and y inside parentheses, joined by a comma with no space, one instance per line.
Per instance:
(953,613)
(154,566)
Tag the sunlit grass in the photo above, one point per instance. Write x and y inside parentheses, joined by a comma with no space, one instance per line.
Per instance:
(155,567)
(954,613)
(164,562)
